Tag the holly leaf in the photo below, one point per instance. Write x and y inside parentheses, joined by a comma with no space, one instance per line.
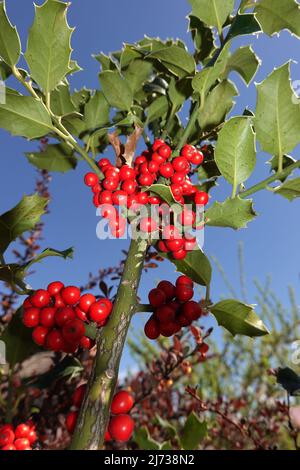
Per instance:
(176,59)
(290,189)
(203,38)
(195,265)
(48,51)
(56,157)
(96,111)
(24,116)
(11,273)
(5,71)
(218,104)
(157,109)
(137,73)
(235,153)
(212,12)
(275,15)
(49,252)
(245,62)
(116,90)
(144,440)
(193,432)
(164,192)
(243,25)
(238,318)
(289,380)
(61,102)
(23,217)
(18,341)
(10,46)
(233,213)
(277,121)
(286,162)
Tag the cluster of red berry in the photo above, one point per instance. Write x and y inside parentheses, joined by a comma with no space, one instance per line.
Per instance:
(21,438)
(127,186)
(173,308)
(121,425)
(59,315)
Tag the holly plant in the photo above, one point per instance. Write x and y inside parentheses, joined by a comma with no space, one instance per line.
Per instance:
(161,195)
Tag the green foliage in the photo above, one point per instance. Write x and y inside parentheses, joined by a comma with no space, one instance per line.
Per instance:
(195,265)
(275,15)
(243,25)
(116,90)
(233,213)
(10,47)
(245,62)
(212,13)
(56,157)
(175,59)
(193,432)
(290,189)
(289,380)
(61,102)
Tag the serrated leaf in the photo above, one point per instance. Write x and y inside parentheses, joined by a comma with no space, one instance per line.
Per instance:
(5,71)
(48,51)
(203,38)
(24,116)
(195,265)
(164,192)
(238,318)
(74,124)
(194,431)
(218,104)
(289,380)
(290,189)
(212,12)
(245,62)
(56,157)
(129,53)
(277,121)
(275,15)
(18,341)
(286,162)
(233,213)
(61,103)
(144,440)
(106,62)
(49,252)
(23,217)
(10,46)
(80,98)
(96,111)
(116,90)
(178,92)
(235,153)
(157,109)
(176,59)
(137,73)
(243,25)
(167,426)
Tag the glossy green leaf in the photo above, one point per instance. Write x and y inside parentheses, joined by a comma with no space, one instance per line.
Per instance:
(56,157)
(286,162)
(48,51)
(10,46)
(106,62)
(23,217)
(195,265)
(179,92)
(24,116)
(289,380)
(5,71)
(157,109)
(96,111)
(275,15)
(203,38)
(218,104)
(243,25)
(80,98)
(245,62)
(235,150)
(164,192)
(277,121)
(176,59)
(290,189)
(116,90)
(129,53)
(212,12)
(61,102)
(144,440)
(238,318)
(233,213)
(194,431)
(137,73)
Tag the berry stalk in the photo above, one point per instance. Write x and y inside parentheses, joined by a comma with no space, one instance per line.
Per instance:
(95,410)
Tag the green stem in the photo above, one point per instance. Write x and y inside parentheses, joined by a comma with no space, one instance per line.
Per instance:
(263,184)
(141,308)
(188,129)
(94,414)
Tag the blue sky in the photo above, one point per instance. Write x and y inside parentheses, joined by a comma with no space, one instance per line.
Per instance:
(271,242)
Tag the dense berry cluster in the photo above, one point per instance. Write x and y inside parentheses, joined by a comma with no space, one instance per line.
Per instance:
(129,186)
(59,315)
(173,308)
(121,425)
(23,437)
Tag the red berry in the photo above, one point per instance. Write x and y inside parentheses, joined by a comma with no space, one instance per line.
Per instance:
(183,320)
(22,430)
(184,281)
(31,317)
(122,403)
(86,301)
(176,191)
(121,427)
(86,343)
(103,162)
(39,335)
(63,315)
(152,328)
(148,225)
(97,188)
(192,310)
(203,348)
(153,166)
(55,287)
(187,217)
(178,178)
(119,198)
(162,246)
(181,164)
(127,173)
(140,160)
(99,311)
(157,143)
(169,328)
(31,436)
(58,301)
(129,186)
(154,200)
(201,198)
(47,317)
(175,245)
(166,170)
(105,197)
(91,179)
(41,298)
(146,179)
(108,211)
(170,232)
(22,444)
(187,188)
(165,314)
(80,314)
(27,303)
(164,151)
(143,198)
(107,437)
(112,172)
(55,341)
(73,331)
(71,421)
(168,288)
(184,293)
(78,395)
(188,151)
(189,243)
(70,295)
(180,254)
(110,184)
(9,447)
(158,158)
(7,436)
(157,297)
(197,158)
